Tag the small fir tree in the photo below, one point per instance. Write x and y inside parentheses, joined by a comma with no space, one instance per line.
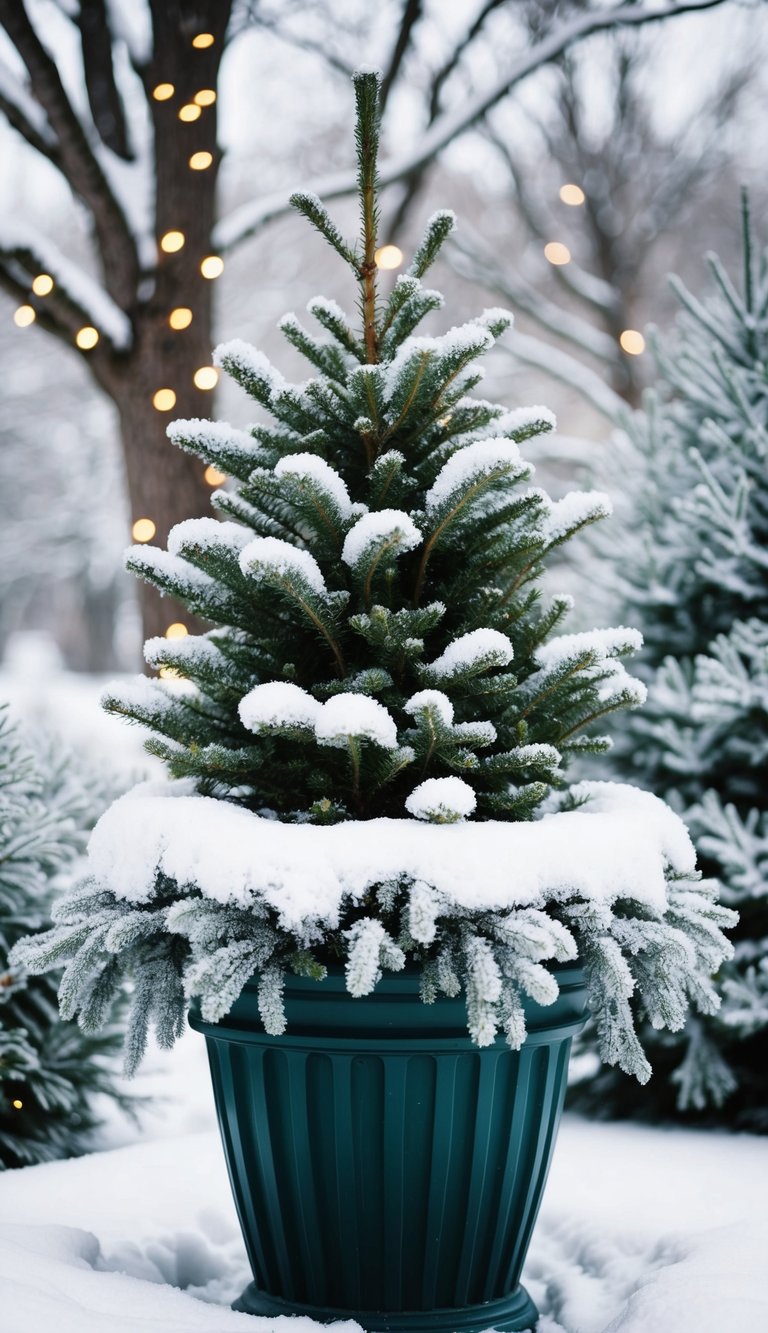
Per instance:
(382,649)
(693,570)
(50,1071)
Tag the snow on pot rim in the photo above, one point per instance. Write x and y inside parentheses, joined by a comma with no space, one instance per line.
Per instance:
(622,844)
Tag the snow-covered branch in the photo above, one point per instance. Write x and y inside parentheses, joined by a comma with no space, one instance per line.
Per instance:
(251,217)
(568,370)
(76,298)
(24,113)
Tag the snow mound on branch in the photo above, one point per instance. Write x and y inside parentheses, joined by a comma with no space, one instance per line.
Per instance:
(311,468)
(279,703)
(604,643)
(243,357)
(271,553)
(489,646)
(476,460)
(217,434)
(441,800)
(431,699)
(346,716)
(618,846)
(377,527)
(207,532)
(575,508)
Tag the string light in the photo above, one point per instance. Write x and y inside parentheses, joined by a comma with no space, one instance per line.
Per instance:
(180,318)
(143,530)
(202,40)
(207,377)
(388,256)
(170,673)
(213,476)
(87,337)
(189,112)
(176,631)
(163,400)
(24,316)
(206,97)
(632,342)
(171,241)
(163,91)
(572,194)
(212,266)
(42,285)
(557,253)
(200,161)
(16,1104)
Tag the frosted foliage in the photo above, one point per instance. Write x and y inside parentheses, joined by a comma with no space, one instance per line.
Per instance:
(278,704)
(433,699)
(271,554)
(347,716)
(480,647)
(474,461)
(521,419)
(311,468)
(204,532)
(370,946)
(441,800)
(385,527)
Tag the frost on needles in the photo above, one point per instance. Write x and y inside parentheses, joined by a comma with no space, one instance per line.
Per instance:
(385,694)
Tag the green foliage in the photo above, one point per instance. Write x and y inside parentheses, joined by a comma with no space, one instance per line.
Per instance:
(50,1072)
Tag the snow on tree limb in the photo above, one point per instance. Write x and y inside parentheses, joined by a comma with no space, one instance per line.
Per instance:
(76,293)
(249,218)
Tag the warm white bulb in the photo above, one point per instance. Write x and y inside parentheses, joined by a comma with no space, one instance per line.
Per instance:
(388,256)
(632,342)
(557,253)
(572,194)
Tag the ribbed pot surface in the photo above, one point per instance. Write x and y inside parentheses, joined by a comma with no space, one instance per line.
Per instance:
(385,1168)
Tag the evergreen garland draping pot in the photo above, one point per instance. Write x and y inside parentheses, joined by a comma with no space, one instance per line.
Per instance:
(354,871)
(385,1168)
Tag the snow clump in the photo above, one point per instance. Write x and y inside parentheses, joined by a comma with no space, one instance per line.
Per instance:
(476,460)
(441,800)
(355,716)
(381,526)
(311,468)
(271,554)
(480,648)
(278,703)
(431,699)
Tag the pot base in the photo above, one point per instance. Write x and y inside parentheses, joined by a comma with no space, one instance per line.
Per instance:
(512,1314)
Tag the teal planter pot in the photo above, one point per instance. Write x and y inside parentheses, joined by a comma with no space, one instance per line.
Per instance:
(384,1168)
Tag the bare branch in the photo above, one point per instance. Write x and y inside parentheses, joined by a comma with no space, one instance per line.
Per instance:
(250,218)
(103,97)
(412,11)
(76,159)
(569,370)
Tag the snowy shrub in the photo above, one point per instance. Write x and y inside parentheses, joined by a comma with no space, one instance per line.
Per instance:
(364,745)
(50,1071)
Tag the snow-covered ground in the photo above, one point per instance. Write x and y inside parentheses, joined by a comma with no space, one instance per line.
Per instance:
(642,1230)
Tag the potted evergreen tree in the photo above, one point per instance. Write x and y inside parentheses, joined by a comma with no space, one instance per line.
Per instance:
(368,872)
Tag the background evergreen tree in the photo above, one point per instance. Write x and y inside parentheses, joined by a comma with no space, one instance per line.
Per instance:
(50,1071)
(693,573)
